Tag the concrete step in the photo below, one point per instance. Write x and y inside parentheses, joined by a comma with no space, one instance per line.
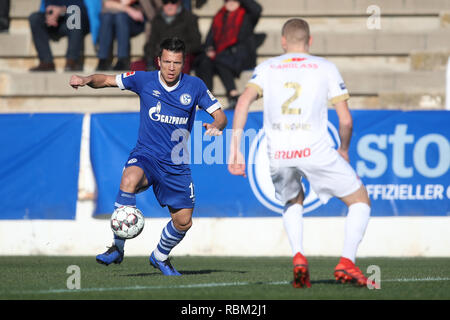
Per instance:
(387,100)
(372,42)
(306,8)
(358,83)
(22,8)
(411,101)
(375,42)
(429,60)
(347,63)
(124,104)
(349,24)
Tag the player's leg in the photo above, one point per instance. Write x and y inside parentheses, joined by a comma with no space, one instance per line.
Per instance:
(177,193)
(289,190)
(356,222)
(172,234)
(293,224)
(133,179)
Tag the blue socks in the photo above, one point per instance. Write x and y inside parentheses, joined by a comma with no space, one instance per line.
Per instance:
(123,199)
(170,237)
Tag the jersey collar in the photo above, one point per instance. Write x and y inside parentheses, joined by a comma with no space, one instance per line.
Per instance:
(169,89)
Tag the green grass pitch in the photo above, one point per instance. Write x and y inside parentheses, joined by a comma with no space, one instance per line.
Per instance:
(217,278)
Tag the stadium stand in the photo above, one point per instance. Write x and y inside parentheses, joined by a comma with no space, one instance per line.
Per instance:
(402,65)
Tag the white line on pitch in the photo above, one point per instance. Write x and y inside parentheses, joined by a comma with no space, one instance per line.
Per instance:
(199,285)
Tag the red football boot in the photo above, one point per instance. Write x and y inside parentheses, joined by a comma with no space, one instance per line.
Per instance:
(347,272)
(301,272)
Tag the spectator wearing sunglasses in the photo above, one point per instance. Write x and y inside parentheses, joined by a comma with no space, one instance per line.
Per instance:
(173,20)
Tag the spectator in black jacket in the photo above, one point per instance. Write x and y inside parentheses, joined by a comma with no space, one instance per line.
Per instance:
(230,45)
(4,15)
(61,18)
(173,21)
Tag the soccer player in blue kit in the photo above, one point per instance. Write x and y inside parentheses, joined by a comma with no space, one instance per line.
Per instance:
(168,101)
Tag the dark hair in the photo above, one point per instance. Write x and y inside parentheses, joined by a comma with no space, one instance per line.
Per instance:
(172,44)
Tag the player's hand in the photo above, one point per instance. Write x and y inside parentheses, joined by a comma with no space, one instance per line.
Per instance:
(236,164)
(212,130)
(344,154)
(77,81)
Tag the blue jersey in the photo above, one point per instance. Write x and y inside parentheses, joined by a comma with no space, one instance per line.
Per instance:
(167,115)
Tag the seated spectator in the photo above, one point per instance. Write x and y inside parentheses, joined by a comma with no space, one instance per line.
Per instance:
(4,15)
(230,46)
(173,21)
(54,23)
(120,19)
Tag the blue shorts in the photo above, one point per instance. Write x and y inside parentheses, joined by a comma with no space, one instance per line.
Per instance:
(173,190)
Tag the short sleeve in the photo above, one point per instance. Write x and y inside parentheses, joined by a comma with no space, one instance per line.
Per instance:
(257,81)
(130,81)
(337,91)
(206,100)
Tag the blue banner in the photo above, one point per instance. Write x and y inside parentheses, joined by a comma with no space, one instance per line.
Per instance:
(403,158)
(39,165)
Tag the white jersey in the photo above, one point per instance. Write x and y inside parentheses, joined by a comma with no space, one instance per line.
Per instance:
(296,90)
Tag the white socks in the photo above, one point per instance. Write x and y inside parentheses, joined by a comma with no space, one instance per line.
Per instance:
(355,227)
(293,224)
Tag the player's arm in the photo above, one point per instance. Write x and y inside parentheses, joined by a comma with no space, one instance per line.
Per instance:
(236,162)
(95,81)
(220,122)
(345,127)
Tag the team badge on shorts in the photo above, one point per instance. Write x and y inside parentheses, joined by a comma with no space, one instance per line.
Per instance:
(131,161)
(185,99)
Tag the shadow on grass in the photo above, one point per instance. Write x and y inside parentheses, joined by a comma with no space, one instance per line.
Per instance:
(183,272)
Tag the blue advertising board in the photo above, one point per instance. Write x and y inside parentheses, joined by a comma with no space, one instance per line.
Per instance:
(403,158)
(39,165)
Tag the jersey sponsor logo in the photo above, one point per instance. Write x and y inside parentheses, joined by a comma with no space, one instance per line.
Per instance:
(292,154)
(294,60)
(156,93)
(185,99)
(155,114)
(293,65)
(261,182)
(128,74)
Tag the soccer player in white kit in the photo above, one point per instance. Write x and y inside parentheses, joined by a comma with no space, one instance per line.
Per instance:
(296,87)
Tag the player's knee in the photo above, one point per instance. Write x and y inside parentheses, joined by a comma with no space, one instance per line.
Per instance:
(128,184)
(182,223)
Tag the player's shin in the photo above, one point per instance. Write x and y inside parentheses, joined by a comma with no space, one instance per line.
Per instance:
(355,226)
(293,224)
(170,237)
(123,199)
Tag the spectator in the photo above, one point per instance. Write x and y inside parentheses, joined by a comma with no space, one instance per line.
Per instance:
(122,19)
(54,23)
(187,5)
(4,15)
(230,46)
(173,21)
(150,8)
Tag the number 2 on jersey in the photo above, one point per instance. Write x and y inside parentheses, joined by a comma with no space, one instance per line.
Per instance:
(297,91)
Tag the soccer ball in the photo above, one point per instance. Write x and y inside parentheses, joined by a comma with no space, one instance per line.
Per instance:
(127,222)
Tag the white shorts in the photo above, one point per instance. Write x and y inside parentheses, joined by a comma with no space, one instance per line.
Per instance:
(328,174)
